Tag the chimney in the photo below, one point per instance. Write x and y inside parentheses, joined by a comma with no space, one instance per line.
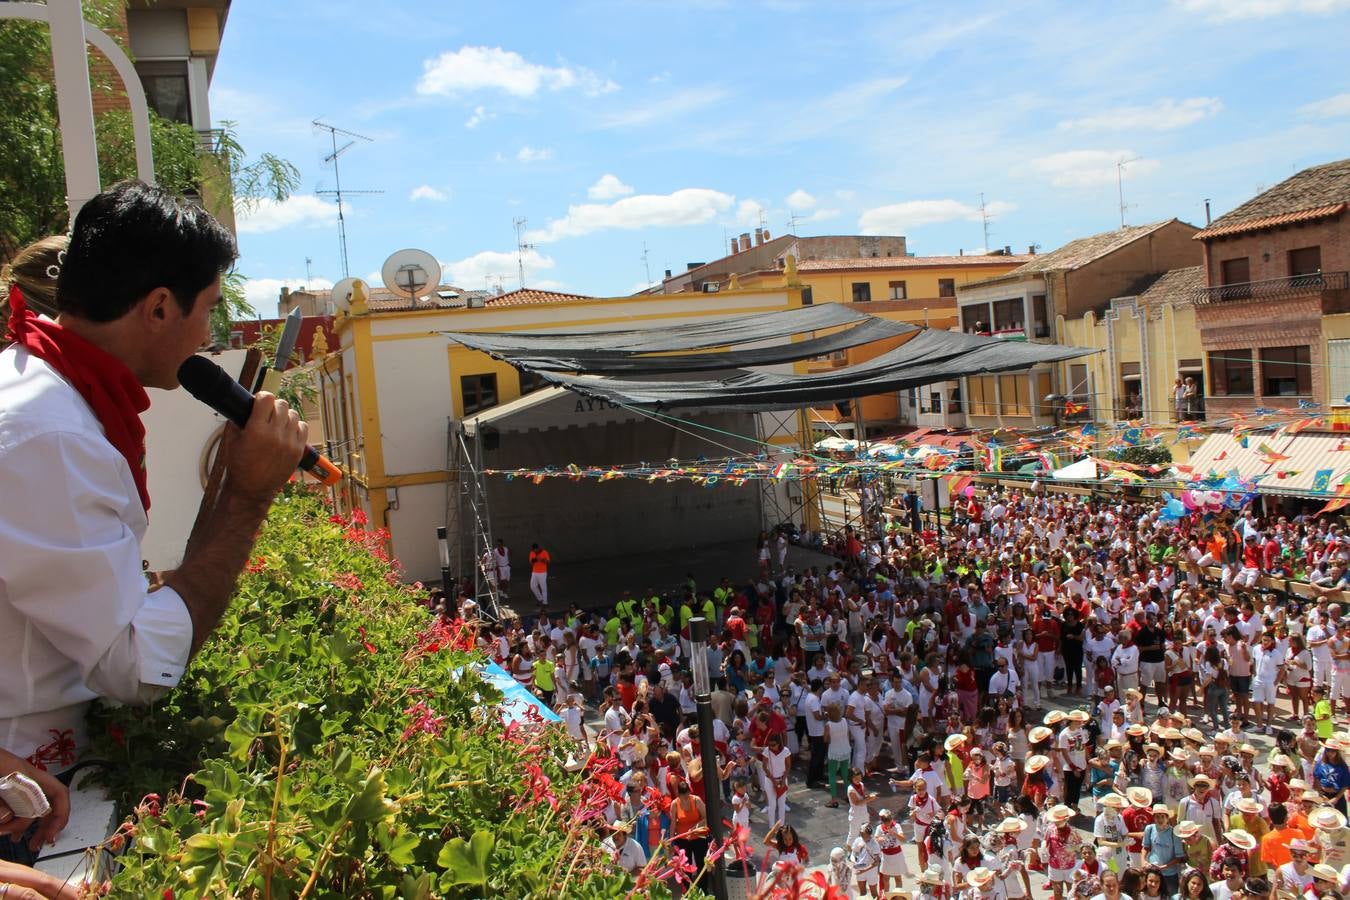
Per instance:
(735,246)
(745,241)
(1007,249)
(1031,250)
(961,252)
(667,273)
(759,236)
(766,235)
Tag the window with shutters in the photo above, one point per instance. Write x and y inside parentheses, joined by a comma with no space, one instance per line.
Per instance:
(897,290)
(479,392)
(862,291)
(946,287)
(1230,373)
(1286,372)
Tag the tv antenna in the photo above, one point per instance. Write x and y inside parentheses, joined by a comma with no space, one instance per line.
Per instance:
(308,274)
(984,218)
(338,192)
(1120,185)
(792,221)
(497,277)
(646,264)
(521,248)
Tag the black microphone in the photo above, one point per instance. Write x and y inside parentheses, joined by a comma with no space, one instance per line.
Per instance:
(213,386)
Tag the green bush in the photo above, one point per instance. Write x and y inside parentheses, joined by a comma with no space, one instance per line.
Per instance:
(1141,455)
(329,741)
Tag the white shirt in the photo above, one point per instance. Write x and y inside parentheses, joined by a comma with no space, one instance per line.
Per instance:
(76,618)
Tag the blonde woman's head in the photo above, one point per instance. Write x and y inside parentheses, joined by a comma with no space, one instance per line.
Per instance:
(34,269)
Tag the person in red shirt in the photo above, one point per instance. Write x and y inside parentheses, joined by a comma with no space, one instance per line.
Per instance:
(736,629)
(765,722)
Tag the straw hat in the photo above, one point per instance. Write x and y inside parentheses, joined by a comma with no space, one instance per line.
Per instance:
(1297,784)
(1054,717)
(1247,748)
(1279,759)
(1181,754)
(1334,743)
(1135,693)
(622,826)
(1138,729)
(931,875)
(1240,839)
(1161,809)
(1037,762)
(1325,872)
(1078,715)
(1326,818)
(977,751)
(1193,734)
(980,876)
(1113,800)
(1207,750)
(1310,796)
(1157,748)
(1141,797)
(1187,829)
(1249,805)
(1038,734)
(1011,825)
(1114,744)
(1199,780)
(953,741)
(1059,814)
(1173,734)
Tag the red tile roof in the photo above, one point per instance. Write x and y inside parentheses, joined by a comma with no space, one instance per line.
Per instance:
(531,297)
(1293,218)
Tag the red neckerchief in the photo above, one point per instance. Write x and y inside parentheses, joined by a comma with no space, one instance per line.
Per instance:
(103,380)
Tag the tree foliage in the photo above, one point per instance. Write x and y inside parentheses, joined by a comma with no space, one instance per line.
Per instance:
(211,168)
(1142,455)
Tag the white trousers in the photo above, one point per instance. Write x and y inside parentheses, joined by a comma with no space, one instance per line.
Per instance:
(539,587)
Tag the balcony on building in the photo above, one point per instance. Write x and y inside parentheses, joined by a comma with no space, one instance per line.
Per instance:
(1288,287)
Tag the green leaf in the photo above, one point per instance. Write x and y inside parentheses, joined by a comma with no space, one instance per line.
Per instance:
(465,862)
(368,803)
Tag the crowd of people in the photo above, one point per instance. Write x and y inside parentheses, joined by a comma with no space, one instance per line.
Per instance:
(1058,695)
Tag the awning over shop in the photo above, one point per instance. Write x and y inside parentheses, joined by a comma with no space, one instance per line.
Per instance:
(1310,463)
(929,357)
(1085,469)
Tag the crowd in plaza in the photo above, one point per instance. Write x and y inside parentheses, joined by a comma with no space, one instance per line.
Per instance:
(928,661)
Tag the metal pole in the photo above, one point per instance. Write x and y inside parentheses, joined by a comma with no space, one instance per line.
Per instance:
(74,102)
(443,542)
(712,782)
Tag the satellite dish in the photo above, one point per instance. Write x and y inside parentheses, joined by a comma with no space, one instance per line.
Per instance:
(342,293)
(411,273)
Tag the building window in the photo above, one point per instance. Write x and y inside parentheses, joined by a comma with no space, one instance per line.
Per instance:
(531,382)
(946,287)
(975,318)
(935,401)
(807,297)
(166,89)
(983,395)
(862,291)
(897,290)
(1039,317)
(954,406)
(1286,372)
(479,392)
(1015,395)
(1235,271)
(1338,370)
(1008,316)
(1230,373)
(1305,261)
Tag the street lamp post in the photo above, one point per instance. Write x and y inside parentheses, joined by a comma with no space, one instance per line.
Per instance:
(443,544)
(712,783)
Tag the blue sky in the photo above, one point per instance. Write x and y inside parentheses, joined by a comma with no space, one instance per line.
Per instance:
(611,124)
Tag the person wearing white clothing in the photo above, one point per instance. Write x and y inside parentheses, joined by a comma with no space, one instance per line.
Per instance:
(137,285)
(1267,672)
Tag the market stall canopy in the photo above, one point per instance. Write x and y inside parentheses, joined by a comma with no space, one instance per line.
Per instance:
(1083,469)
(930,357)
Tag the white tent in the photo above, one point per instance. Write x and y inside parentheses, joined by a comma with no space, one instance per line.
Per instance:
(1083,469)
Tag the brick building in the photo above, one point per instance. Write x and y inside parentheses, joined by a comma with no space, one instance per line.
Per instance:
(1273,313)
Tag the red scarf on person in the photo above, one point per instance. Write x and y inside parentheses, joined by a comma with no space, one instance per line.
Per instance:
(102,379)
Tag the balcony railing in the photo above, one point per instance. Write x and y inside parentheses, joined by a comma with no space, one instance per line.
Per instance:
(1275,288)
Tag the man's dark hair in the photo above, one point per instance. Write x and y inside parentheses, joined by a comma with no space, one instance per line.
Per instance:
(1278,814)
(132,239)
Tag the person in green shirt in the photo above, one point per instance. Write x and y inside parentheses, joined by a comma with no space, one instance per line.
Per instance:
(1322,712)
(544,668)
(686,612)
(612,626)
(626,607)
(710,612)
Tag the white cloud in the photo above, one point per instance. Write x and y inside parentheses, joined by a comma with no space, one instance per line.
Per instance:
(427,192)
(1085,168)
(800,199)
(480,115)
(845,194)
(1224,10)
(689,206)
(296,211)
(528,154)
(1164,115)
(470,69)
(899,218)
(264,293)
(749,213)
(607,188)
(821,215)
(486,267)
(664,110)
(1338,105)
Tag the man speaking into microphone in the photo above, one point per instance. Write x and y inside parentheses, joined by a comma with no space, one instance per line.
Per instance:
(77,621)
